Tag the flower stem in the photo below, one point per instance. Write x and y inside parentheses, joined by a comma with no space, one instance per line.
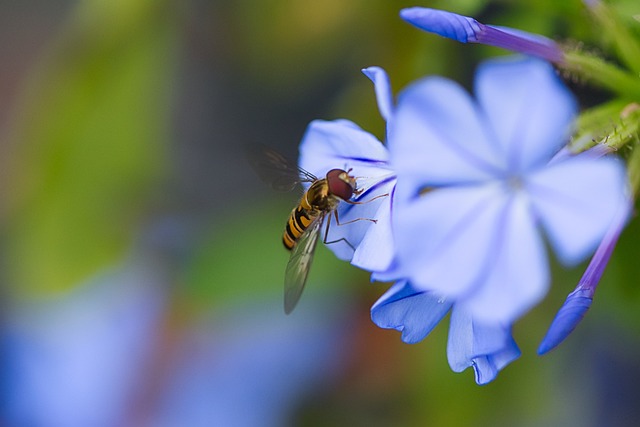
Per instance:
(626,45)
(603,74)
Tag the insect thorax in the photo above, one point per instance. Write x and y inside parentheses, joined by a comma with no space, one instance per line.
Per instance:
(318,198)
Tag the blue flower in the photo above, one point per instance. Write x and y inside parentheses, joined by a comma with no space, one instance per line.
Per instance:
(467,30)
(487,347)
(579,301)
(475,188)
(79,358)
(343,144)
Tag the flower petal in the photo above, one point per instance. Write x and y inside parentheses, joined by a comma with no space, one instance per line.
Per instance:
(437,136)
(445,229)
(529,108)
(382,87)
(485,346)
(342,144)
(392,273)
(372,242)
(376,250)
(517,275)
(412,312)
(486,367)
(577,200)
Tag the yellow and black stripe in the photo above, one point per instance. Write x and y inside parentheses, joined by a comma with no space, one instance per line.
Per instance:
(298,222)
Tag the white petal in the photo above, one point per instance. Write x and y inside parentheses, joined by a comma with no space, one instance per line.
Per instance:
(516,275)
(528,107)
(576,201)
(437,136)
(446,237)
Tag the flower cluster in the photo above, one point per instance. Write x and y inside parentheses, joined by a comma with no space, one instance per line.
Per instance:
(477,186)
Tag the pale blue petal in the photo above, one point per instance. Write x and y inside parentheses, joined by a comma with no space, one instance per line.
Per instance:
(446,238)
(382,87)
(413,313)
(528,107)
(375,251)
(392,273)
(576,201)
(487,347)
(342,144)
(486,367)
(517,275)
(438,137)
(372,241)
(340,248)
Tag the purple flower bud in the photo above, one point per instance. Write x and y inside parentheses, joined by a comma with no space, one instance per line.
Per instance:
(467,30)
(567,318)
(578,302)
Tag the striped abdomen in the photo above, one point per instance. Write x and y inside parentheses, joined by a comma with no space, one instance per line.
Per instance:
(298,222)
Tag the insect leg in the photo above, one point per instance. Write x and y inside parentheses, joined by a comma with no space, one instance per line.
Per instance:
(326,233)
(379,196)
(375,221)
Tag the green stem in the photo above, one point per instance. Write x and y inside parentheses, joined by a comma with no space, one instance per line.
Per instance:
(629,132)
(603,74)
(624,41)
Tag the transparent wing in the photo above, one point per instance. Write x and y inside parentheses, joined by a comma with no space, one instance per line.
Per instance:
(299,264)
(276,170)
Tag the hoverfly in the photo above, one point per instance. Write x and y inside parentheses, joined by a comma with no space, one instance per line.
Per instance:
(318,202)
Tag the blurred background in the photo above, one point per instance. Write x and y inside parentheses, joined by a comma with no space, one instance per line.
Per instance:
(141,260)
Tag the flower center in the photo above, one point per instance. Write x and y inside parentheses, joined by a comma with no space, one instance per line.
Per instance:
(514,183)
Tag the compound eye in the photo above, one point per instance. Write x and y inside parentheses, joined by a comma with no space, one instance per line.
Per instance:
(339,184)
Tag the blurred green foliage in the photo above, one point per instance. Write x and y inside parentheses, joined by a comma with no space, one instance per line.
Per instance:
(93,163)
(91,142)
(243,258)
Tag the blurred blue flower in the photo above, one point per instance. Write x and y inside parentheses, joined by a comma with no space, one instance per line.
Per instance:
(250,366)
(78,360)
(475,185)
(343,144)
(487,347)
(579,301)
(112,354)
(467,30)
